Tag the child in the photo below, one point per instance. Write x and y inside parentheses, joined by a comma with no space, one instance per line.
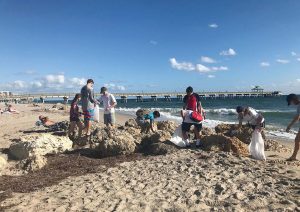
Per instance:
(109,103)
(292,99)
(74,117)
(145,119)
(254,119)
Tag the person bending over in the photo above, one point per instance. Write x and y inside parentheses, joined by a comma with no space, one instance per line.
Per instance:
(293,99)
(250,115)
(145,119)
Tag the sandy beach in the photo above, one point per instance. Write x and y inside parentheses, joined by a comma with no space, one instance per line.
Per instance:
(185,180)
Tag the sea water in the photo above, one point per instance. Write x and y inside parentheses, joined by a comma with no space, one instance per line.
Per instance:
(222,110)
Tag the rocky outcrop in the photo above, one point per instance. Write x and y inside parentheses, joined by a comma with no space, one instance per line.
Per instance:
(131,123)
(3,162)
(39,144)
(220,142)
(33,163)
(168,126)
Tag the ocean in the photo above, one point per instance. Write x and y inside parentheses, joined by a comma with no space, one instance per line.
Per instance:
(275,110)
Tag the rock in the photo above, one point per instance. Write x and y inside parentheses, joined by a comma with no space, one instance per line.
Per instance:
(169,126)
(206,131)
(33,163)
(161,148)
(3,161)
(117,143)
(131,123)
(220,142)
(39,144)
(156,137)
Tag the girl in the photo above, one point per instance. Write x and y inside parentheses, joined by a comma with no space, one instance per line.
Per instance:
(74,116)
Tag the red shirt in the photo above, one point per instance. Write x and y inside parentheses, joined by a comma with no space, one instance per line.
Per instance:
(192,101)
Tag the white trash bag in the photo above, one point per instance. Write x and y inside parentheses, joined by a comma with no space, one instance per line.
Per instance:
(177,137)
(256,147)
(96,114)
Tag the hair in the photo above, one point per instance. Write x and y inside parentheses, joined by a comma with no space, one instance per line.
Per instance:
(103,89)
(239,109)
(189,89)
(156,114)
(90,81)
(77,96)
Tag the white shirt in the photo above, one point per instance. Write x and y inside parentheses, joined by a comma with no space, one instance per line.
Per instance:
(252,116)
(187,117)
(107,101)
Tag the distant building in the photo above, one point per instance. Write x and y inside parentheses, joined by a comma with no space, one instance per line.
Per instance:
(257,89)
(5,93)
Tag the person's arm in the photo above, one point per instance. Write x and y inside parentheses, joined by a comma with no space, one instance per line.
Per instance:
(114,102)
(295,119)
(240,121)
(183,112)
(199,107)
(259,119)
(152,125)
(184,103)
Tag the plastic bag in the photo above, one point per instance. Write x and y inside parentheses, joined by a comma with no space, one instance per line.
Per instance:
(256,147)
(96,114)
(177,138)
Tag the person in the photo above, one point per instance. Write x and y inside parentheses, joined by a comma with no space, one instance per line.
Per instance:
(75,116)
(145,119)
(12,110)
(293,99)
(1,111)
(45,121)
(250,115)
(88,104)
(109,103)
(192,102)
(187,122)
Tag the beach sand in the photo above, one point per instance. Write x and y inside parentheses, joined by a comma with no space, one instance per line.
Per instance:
(187,180)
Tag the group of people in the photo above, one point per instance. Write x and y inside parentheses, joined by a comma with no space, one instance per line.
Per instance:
(192,114)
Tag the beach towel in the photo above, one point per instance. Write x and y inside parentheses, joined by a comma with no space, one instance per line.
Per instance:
(256,147)
(177,138)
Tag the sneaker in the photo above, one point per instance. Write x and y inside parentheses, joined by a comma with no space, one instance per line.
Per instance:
(198,143)
(187,143)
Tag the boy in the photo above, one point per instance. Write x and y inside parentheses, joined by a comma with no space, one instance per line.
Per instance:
(248,114)
(145,119)
(109,103)
(292,99)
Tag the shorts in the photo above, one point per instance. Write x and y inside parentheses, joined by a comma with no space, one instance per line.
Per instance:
(109,118)
(88,115)
(187,126)
(76,119)
(261,125)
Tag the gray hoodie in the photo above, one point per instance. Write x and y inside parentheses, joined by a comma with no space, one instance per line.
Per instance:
(87,98)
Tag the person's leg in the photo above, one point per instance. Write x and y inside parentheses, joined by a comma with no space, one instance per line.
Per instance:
(112,119)
(296,147)
(105,119)
(185,127)
(80,128)
(197,129)
(71,128)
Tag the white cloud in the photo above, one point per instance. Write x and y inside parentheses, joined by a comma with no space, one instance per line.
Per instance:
(220,68)
(293,53)
(77,82)
(114,87)
(202,69)
(211,76)
(153,42)
(54,79)
(183,66)
(229,52)
(36,84)
(264,64)
(298,80)
(205,59)
(214,25)
(298,59)
(282,61)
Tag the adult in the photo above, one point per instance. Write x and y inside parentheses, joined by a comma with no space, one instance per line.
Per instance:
(251,116)
(88,104)
(109,103)
(192,103)
(12,110)
(187,122)
(293,99)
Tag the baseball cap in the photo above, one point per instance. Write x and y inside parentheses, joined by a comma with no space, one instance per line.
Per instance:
(290,98)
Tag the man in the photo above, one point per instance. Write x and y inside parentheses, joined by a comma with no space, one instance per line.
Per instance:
(192,103)
(248,114)
(88,105)
(145,119)
(109,103)
(292,99)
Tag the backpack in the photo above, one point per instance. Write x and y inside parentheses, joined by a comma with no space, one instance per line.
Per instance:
(195,116)
(141,112)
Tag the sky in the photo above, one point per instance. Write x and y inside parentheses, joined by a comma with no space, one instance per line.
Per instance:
(149,45)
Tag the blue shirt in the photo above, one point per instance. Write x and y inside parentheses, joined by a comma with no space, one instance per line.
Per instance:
(149,116)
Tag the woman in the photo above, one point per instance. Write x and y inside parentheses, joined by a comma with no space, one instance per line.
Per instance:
(45,121)
(75,117)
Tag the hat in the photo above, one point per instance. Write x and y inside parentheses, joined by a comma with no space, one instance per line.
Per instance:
(103,89)
(239,109)
(290,98)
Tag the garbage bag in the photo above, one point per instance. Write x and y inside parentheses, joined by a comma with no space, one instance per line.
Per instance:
(256,147)
(177,138)
(96,114)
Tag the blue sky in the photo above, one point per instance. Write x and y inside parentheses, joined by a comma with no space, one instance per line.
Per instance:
(155,45)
